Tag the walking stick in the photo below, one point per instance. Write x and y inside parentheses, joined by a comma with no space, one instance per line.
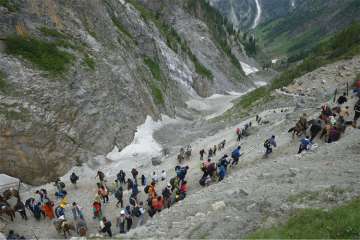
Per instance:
(335,95)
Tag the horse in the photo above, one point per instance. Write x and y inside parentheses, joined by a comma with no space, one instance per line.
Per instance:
(64,226)
(6,209)
(9,193)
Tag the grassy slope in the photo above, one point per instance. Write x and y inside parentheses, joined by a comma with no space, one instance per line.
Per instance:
(45,55)
(291,35)
(343,45)
(338,223)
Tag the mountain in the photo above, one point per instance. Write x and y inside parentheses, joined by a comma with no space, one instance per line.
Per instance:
(243,13)
(308,23)
(78,77)
(290,27)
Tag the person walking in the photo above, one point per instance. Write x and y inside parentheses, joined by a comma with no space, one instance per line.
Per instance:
(105,226)
(268,144)
(120,222)
(76,211)
(74,178)
(235,156)
(119,197)
(202,152)
(357,113)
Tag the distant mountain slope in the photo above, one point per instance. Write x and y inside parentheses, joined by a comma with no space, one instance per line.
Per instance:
(307,23)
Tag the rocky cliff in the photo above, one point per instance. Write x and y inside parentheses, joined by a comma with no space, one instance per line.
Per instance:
(77,77)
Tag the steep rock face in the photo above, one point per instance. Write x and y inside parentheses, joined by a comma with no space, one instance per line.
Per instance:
(240,13)
(243,13)
(119,68)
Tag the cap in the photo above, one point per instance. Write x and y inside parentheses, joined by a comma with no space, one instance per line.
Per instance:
(122,212)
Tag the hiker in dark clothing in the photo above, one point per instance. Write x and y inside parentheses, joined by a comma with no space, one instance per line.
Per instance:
(121,177)
(101,176)
(166,193)
(315,129)
(128,217)
(202,152)
(107,227)
(268,144)
(129,184)
(134,173)
(342,99)
(143,180)
(357,113)
(210,154)
(20,208)
(74,178)
(119,197)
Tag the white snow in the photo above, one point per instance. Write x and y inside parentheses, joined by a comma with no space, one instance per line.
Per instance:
(275,60)
(143,147)
(214,105)
(260,83)
(7,182)
(258,15)
(248,69)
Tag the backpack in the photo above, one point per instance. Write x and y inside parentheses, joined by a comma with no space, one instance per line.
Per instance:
(137,212)
(62,185)
(73,178)
(233,154)
(202,181)
(146,189)
(267,143)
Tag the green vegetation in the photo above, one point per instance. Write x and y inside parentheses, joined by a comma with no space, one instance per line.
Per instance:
(338,223)
(121,28)
(89,62)
(154,68)
(157,94)
(345,44)
(11,114)
(173,40)
(52,33)
(248,99)
(11,5)
(45,55)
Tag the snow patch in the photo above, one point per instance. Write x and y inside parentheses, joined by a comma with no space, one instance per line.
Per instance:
(143,147)
(274,61)
(248,69)
(260,83)
(7,182)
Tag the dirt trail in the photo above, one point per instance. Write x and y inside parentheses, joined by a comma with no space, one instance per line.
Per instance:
(256,193)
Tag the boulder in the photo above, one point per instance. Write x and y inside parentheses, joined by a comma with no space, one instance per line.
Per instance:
(218,205)
(155,161)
